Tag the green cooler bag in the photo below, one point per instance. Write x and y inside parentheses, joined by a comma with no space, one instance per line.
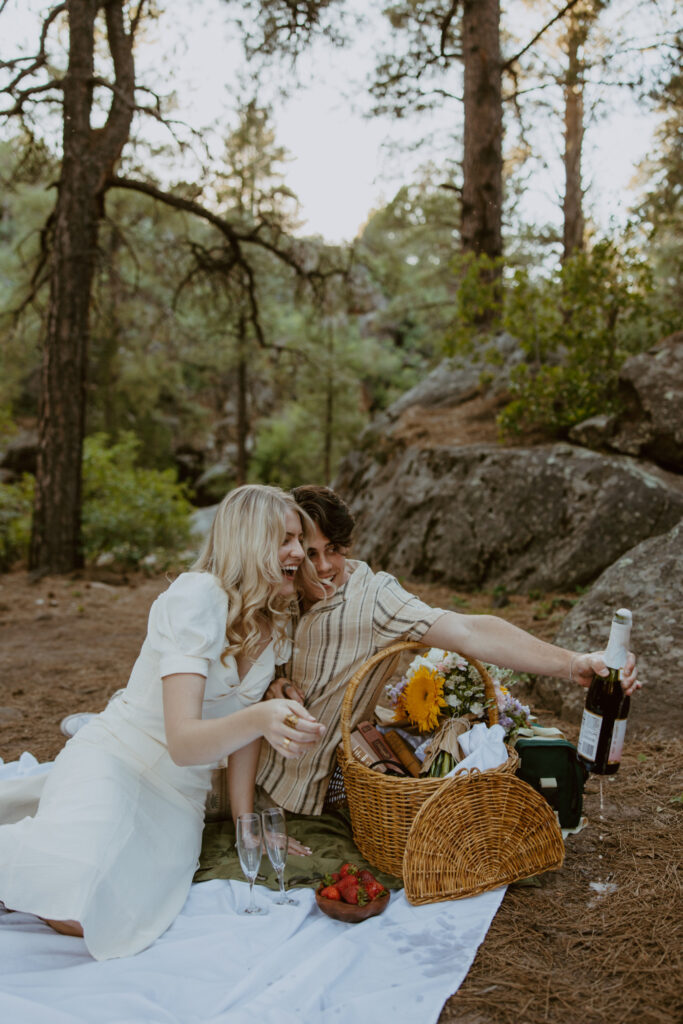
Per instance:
(552,766)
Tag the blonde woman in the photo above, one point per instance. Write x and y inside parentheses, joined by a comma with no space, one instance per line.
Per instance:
(112,849)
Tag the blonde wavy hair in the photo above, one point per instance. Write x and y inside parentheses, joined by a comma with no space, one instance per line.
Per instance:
(241,550)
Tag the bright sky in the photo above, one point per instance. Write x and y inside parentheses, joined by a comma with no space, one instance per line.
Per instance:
(340,169)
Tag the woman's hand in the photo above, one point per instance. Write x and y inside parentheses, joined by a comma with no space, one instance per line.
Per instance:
(584,666)
(289,727)
(297,848)
(283,688)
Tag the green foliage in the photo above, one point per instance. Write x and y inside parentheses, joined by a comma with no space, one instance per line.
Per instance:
(478,299)
(577,326)
(26,204)
(333,373)
(16,501)
(130,511)
(407,248)
(7,424)
(659,215)
(284,453)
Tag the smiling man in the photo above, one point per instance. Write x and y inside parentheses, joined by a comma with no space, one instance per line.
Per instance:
(353,613)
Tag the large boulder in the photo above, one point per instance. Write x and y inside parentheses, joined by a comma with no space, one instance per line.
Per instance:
(20,454)
(648,580)
(201,521)
(651,423)
(460,378)
(548,517)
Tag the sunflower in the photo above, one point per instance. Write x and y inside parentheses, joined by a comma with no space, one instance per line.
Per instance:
(422,698)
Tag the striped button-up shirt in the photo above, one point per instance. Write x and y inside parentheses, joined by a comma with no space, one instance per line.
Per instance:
(331,641)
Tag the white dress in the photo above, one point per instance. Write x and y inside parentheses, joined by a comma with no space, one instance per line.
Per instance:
(117,833)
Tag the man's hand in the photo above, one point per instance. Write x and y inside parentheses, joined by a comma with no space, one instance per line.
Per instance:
(283,688)
(584,666)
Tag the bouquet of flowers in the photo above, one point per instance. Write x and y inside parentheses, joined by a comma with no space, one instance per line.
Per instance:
(441,685)
(512,714)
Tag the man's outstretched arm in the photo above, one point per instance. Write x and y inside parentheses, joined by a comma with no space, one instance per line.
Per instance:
(492,639)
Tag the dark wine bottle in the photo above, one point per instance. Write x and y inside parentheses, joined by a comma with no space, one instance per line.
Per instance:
(603,725)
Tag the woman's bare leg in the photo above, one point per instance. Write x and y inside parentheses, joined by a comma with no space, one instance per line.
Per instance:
(65,927)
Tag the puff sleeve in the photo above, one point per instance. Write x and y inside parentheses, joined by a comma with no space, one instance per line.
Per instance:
(187,624)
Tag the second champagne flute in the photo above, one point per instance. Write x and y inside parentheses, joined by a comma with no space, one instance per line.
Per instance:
(275,838)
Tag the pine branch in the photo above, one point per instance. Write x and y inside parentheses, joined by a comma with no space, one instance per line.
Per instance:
(24,95)
(445,25)
(297,259)
(557,17)
(40,59)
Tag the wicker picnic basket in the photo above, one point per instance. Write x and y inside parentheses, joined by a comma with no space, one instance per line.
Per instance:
(476,833)
(383,807)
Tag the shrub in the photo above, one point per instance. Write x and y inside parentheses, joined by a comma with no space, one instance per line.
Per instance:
(577,327)
(16,501)
(287,449)
(129,511)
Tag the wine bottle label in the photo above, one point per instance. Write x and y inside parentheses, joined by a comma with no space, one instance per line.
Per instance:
(589,735)
(617,744)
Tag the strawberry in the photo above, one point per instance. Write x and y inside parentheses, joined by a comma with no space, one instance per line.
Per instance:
(366,877)
(354,893)
(335,877)
(346,882)
(374,889)
(348,869)
(331,892)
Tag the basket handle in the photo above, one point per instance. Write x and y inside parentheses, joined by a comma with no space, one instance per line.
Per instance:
(355,681)
(367,666)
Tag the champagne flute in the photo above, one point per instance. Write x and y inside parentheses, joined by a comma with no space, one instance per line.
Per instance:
(275,839)
(249,838)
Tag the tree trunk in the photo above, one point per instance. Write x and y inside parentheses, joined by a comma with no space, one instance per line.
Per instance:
(88,159)
(572,206)
(482,194)
(104,360)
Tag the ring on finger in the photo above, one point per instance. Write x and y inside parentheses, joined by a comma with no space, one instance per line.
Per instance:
(291,720)
(286,742)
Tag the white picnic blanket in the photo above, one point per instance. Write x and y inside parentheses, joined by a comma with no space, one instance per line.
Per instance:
(214,965)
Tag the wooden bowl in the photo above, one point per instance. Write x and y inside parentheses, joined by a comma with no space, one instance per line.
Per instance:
(350,912)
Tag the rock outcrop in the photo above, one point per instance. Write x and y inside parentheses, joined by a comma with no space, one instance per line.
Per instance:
(547,517)
(648,580)
(651,424)
(437,498)
(458,379)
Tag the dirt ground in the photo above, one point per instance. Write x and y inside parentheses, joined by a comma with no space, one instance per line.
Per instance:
(558,950)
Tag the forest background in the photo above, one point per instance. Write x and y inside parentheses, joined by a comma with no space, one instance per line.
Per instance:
(170,330)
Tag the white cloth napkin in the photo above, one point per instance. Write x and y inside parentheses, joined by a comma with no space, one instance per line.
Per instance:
(483,747)
(216,966)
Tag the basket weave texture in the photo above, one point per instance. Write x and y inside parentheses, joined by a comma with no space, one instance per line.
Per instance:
(476,833)
(383,807)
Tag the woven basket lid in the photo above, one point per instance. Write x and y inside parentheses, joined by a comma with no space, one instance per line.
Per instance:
(477,833)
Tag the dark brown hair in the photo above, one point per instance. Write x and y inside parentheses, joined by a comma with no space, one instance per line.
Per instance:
(328,511)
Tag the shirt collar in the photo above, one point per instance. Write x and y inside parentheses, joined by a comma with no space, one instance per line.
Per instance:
(358,574)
